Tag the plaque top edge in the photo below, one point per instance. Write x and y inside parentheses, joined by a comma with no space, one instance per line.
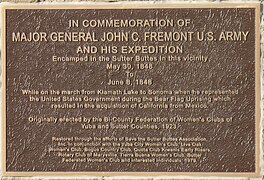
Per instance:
(129,5)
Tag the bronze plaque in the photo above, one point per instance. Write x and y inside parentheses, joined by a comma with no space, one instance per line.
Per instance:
(131,90)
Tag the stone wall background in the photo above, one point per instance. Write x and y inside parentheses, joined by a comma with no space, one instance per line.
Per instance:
(147,1)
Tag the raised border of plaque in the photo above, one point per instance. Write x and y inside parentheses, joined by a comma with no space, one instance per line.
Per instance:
(137,5)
